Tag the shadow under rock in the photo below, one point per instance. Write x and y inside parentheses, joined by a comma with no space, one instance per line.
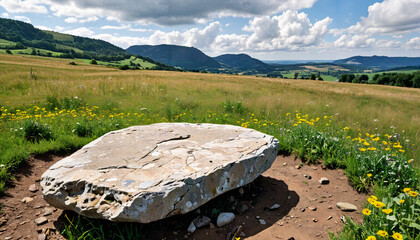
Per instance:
(250,204)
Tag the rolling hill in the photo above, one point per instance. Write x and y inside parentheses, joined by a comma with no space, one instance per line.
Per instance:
(380,62)
(23,38)
(70,46)
(242,61)
(178,56)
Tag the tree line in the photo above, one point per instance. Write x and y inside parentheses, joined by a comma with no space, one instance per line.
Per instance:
(392,79)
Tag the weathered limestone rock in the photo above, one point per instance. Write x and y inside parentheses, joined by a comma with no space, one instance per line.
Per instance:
(347,207)
(225,218)
(147,173)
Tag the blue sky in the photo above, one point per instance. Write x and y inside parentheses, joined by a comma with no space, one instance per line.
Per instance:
(268,30)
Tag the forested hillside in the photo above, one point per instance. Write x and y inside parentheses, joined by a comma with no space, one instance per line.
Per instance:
(179,56)
(26,35)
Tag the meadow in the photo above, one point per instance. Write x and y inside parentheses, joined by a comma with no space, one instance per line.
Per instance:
(327,78)
(373,132)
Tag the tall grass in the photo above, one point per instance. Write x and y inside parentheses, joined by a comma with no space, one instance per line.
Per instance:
(373,107)
(370,131)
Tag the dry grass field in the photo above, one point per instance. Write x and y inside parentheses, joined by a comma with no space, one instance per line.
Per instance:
(375,108)
(48,106)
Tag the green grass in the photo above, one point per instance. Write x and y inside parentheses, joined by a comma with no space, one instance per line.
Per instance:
(64,47)
(28,51)
(61,36)
(6,43)
(143,64)
(327,78)
(135,60)
(345,125)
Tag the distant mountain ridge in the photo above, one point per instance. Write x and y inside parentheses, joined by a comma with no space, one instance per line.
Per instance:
(380,62)
(241,61)
(24,36)
(178,56)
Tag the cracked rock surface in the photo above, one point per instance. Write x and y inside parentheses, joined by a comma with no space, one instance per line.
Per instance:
(147,173)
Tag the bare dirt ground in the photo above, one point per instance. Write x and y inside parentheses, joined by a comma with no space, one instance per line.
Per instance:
(307,208)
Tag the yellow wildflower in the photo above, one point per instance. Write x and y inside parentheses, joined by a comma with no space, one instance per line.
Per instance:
(366,212)
(387,211)
(411,160)
(348,137)
(363,149)
(384,142)
(397,145)
(402,201)
(366,144)
(379,204)
(369,175)
(402,150)
(406,190)
(387,149)
(371,238)
(382,233)
(346,128)
(397,236)
(413,193)
(371,201)
(374,197)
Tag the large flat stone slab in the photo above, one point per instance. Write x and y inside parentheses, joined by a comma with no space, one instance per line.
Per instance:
(147,173)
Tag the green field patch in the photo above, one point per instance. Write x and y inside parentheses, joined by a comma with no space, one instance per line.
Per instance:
(64,47)
(6,43)
(132,62)
(61,36)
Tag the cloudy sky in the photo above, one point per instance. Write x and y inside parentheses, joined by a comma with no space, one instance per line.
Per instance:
(266,29)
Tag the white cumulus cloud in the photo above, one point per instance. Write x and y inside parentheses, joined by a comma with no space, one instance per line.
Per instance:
(44,28)
(364,41)
(354,41)
(200,38)
(82,32)
(81,20)
(24,6)
(140,30)
(290,31)
(122,26)
(23,19)
(389,17)
(71,20)
(162,12)
(414,43)
(55,29)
